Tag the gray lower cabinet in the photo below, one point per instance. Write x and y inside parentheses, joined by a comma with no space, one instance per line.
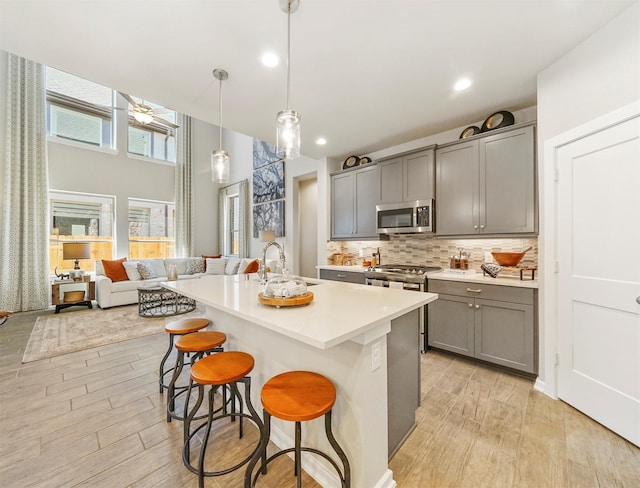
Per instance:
(487,185)
(499,328)
(353,204)
(345,276)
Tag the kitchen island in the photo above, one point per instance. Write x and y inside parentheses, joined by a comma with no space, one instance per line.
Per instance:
(355,335)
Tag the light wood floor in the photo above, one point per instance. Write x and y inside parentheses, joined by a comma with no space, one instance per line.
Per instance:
(95,419)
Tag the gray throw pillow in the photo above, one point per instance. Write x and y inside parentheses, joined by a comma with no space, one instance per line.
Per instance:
(146,270)
(195,265)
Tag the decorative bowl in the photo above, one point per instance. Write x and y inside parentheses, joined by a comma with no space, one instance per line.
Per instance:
(509,258)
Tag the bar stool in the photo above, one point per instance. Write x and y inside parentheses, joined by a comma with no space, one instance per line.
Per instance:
(298,396)
(199,344)
(179,327)
(219,370)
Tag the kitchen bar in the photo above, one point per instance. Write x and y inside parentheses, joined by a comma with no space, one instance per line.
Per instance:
(352,334)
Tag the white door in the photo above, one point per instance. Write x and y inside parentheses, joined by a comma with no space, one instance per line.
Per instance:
(599,276)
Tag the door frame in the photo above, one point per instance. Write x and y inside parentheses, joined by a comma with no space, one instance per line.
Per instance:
(548,255)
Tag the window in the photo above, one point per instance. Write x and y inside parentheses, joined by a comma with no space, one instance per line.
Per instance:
(151,229)
(152,139)
(80,217)
(232,226)
(78,110)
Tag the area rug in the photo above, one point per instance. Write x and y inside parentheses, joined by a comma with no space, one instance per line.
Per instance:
(55,335)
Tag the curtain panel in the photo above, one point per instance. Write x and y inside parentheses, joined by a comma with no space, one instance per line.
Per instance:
(24,241)
(184,189)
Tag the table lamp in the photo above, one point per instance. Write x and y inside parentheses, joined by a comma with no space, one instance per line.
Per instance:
(76,251)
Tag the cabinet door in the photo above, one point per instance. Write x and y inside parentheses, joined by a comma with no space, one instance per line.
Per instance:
(390,181)
(450,324)
(507,182)
(418,176)
(342,205)
(365,202)
(457,189)
(504,334)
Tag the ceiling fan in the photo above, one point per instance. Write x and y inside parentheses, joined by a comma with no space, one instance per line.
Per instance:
(145,114)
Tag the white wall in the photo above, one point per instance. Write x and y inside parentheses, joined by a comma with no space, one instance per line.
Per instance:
(240,148)
(596,77)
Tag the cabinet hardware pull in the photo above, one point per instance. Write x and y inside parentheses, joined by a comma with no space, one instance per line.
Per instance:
(471,305)
(638,300)
(475,226)
(474,290)
(482,226)
(339,275)
(477,306)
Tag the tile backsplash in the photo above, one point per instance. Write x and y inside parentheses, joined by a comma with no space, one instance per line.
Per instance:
(423,250)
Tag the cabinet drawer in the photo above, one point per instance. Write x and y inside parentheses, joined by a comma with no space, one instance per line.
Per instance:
(481,290)
(346,276)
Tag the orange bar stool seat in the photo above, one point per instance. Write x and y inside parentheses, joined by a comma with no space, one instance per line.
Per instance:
(198,345)
(178,328)
(221,370)
(298,396)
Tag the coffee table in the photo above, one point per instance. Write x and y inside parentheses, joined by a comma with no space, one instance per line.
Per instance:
(156,301)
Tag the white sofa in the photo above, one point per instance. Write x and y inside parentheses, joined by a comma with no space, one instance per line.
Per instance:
(111,294)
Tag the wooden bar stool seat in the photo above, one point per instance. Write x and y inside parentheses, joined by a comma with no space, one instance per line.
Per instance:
(178,328)
(224,369)
(298,396)
(197,344)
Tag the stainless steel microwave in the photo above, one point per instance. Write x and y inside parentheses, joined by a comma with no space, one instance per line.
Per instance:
(405,218)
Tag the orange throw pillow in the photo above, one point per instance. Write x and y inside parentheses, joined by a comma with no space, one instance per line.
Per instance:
(210,257)
(114,270)
(252,267)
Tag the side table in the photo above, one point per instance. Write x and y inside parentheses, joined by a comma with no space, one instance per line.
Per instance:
(59,288)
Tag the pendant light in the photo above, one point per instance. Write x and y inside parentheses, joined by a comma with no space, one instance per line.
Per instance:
(288,121)
(220,158)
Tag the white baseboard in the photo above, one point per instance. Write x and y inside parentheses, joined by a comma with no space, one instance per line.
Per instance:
(323,474)
(539,385)
(387,480)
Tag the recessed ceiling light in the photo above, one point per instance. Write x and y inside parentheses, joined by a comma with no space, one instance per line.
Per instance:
(270,60)
(462,84)
(321,141)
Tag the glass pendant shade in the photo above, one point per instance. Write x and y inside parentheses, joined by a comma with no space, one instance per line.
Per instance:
(288,134)
(219,166)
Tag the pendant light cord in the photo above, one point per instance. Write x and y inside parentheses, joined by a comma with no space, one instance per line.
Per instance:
(220,118)
(288,51)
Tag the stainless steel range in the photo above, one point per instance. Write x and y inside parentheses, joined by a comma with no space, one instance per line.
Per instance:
(405,277)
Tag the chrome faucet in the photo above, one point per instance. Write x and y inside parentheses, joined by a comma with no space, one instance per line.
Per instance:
(263,264)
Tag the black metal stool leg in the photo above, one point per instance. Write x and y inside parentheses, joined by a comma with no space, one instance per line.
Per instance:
(205,440)
(346,468)
(164,360)
(171,390)
(297,470)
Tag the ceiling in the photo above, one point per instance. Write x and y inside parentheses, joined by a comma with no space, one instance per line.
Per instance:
(365,74)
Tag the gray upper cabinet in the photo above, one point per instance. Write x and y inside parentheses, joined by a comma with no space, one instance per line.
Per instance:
(407,178)
(353,204)
(487,185)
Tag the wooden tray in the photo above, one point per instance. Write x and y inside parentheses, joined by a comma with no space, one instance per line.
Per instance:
(278,302)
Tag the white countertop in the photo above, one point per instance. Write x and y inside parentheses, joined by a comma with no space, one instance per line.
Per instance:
(339,311)
(477,277)
(481,278)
